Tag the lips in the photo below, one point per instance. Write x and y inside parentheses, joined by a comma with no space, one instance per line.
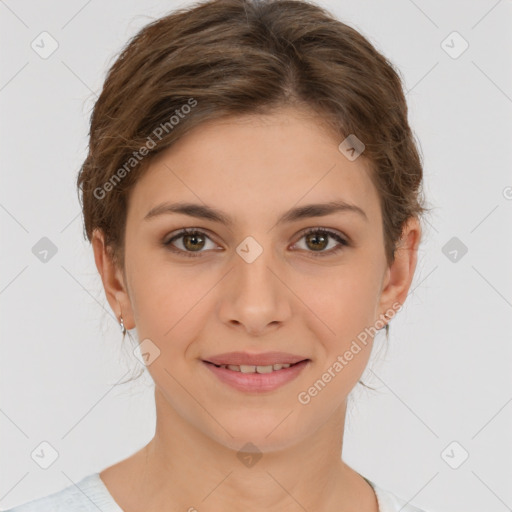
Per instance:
(248,359)
(256,382)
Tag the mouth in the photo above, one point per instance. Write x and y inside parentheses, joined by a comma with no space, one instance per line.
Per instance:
(245,368)
(254,378)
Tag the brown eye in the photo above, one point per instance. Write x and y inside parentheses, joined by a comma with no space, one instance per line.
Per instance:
(191,241)
(318,239)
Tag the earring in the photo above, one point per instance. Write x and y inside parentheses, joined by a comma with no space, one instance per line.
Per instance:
(386,325)
(123,328)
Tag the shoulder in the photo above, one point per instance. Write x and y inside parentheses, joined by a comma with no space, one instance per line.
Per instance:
(389,502)
(87,495)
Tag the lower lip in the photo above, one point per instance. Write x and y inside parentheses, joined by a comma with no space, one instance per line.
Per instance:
(257,382)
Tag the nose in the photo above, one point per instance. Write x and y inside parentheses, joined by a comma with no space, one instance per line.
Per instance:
(255,297)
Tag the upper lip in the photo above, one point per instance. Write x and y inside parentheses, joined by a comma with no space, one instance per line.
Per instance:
(263,359)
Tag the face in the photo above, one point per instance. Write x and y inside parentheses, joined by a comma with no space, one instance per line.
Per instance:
(256,281)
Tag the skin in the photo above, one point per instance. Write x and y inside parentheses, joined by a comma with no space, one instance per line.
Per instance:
(253,168)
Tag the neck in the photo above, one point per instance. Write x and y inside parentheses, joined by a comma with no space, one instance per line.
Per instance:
(188,469)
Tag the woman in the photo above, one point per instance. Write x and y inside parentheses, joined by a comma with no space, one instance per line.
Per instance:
(252,196)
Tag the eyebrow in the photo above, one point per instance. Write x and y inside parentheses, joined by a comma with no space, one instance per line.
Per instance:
(207,212)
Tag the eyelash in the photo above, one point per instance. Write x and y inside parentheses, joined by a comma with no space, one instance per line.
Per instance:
(194,231)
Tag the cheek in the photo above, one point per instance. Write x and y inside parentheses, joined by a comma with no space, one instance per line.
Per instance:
(168,301)
(344,299)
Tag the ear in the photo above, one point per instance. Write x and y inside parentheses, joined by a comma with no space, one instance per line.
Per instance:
(400,273)
(113,280)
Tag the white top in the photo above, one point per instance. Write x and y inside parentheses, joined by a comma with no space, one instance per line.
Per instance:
(91,495)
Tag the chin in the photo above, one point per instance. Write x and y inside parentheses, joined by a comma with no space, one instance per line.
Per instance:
(263,435)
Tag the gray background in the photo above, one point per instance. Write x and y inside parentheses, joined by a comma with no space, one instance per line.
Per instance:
(446,375)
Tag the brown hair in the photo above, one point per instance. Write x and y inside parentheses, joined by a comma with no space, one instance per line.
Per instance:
(221,58)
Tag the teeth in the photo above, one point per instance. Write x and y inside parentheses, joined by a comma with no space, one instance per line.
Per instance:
(255,369)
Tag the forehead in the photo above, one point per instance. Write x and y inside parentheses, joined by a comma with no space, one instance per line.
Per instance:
(255,165)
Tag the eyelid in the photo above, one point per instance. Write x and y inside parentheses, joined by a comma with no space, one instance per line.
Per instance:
(187,231)
(322,229)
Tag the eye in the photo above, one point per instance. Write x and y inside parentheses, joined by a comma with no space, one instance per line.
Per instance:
(318,238)
(193,240)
